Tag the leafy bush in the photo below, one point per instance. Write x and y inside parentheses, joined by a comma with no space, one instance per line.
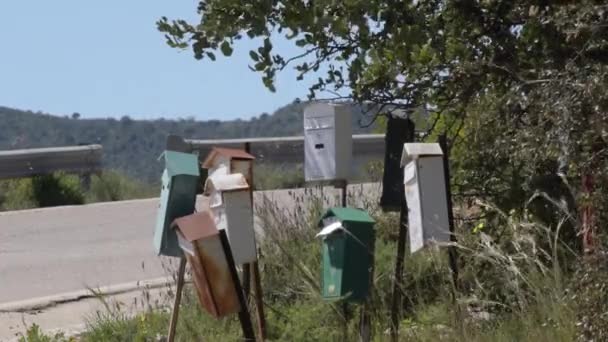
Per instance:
(113,186)
(42,191)
(57,189)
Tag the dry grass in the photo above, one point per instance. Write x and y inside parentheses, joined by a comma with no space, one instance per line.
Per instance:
(512,285)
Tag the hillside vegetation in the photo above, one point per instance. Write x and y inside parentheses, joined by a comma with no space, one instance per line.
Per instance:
(133,146)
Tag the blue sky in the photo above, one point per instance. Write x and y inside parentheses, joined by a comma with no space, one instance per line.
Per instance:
(106,58)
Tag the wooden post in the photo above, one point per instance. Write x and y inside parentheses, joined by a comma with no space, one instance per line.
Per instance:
(244,317)
(397,301)
(181,273)
(453,253)
(365,319)
(252,276)
(259,301)
(343,186)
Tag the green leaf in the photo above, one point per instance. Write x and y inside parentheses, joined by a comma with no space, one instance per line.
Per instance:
(211,55)
(254,56)
(260,66)
(226,48)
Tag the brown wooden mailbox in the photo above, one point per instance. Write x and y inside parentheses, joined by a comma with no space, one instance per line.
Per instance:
(224,161)
(207,250)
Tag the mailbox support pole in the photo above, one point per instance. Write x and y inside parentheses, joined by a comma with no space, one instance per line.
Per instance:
(343,186)
(181,273)
(397,301)
(244,317)
(251,274)
(453,253)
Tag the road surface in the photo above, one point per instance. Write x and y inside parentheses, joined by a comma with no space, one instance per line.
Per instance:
(50,251)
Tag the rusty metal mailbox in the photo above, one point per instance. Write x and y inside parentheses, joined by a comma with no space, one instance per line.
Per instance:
(207,250)
(177,198)
(348,244)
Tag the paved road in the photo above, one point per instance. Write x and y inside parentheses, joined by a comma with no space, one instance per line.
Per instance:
(55,250)
(49,251)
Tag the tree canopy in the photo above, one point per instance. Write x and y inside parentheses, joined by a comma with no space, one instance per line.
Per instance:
(519,83)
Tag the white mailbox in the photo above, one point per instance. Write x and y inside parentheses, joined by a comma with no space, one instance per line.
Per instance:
(425,193)
(230,203)
(328,142)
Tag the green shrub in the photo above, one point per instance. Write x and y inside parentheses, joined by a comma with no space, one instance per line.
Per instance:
(42,191)
(113,186)
(57,189)
(18,194)
(34,334)
(268,177)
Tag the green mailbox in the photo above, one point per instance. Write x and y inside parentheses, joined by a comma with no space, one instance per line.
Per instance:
(348,245)
(177,198)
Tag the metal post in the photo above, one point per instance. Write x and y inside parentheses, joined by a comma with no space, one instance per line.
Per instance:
(244,317)
(453,253)
(178,298)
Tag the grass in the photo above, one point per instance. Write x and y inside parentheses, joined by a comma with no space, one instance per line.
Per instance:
(514,286)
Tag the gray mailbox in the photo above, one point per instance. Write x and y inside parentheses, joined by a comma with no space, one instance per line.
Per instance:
(425,193)
(328,142)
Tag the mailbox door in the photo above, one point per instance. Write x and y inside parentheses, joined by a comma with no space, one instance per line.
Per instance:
(320,148)
(433,199)
(241,236)
(333,265)
(161,217)
(178,199)
(358,260)
(412,197)
(243,167)
(217,277)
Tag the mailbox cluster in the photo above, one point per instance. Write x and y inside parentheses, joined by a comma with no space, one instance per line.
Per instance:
(220,237)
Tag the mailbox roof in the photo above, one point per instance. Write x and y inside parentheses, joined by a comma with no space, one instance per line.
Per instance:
(411,150)
(179,163)
(231,153)
(229,182)
(349,215)
(196,226)
(321,109)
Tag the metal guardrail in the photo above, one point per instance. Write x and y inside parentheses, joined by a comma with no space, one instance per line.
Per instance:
(84,159)
(366,147)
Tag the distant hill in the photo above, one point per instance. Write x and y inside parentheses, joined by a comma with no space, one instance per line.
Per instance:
(133,146)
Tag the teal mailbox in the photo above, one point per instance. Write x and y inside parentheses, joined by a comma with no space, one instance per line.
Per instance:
(348,247)
(177,198)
